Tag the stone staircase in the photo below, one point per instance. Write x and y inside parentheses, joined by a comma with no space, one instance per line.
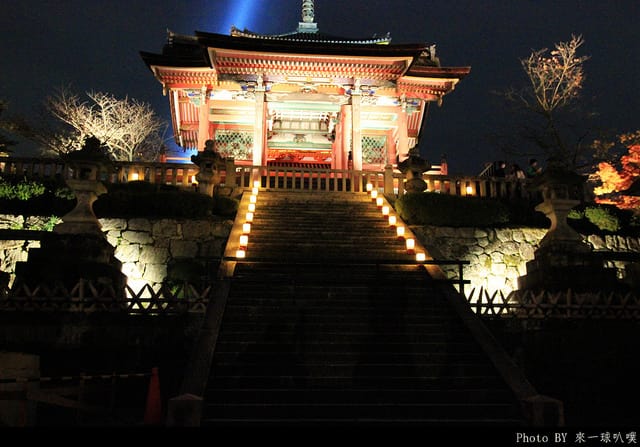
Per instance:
(324,328)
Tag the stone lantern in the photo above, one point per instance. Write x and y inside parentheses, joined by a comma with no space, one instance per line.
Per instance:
(563,259)
(88,166)
(209,163)
(413,168)
(77,249)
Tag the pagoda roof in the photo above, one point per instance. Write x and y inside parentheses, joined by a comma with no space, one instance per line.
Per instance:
(317,36)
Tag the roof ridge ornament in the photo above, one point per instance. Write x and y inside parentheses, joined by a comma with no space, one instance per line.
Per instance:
(308,25)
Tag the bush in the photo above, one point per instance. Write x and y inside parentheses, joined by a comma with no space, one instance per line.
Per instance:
(598,218)
(34,198)
(449,210)
(225,206)
(161,203)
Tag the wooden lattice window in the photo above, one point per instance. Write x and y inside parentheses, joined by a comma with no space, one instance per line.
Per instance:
(374,149)
(234,143)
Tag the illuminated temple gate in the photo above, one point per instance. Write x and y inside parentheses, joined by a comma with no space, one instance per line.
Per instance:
(301,98)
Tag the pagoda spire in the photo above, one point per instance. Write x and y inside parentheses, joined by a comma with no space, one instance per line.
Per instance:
(308,25)
(307,11)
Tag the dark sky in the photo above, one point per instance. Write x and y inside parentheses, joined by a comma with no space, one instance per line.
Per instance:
(94,45)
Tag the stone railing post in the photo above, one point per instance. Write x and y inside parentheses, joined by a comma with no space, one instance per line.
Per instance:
(230,167)
(388,180)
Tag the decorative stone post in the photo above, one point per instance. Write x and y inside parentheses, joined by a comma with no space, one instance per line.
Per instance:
(87,165)
(77,249)
(412,168)
(563,260)
(208,162)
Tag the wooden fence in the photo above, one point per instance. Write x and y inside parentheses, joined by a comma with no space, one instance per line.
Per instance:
(555,305)
(87,297)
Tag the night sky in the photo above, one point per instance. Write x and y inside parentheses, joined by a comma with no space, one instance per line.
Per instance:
(94,45)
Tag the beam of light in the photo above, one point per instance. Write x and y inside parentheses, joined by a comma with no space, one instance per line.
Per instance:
(242,14)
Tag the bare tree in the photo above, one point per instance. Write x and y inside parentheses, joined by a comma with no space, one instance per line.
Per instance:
(552,123)
(127,127)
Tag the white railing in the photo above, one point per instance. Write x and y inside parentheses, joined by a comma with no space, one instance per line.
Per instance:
(390,181)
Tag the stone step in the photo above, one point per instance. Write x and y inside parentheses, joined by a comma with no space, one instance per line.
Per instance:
(345,396)
(349,347)
(352,356)
(359,410)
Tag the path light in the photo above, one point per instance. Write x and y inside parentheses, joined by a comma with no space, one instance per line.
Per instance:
(246,228)
(400,231)
(385,211)
(392,221)
(374,194)
(240,254)
(256,183)
(253,199)
(421,257)
(244,241)
(254,191)
(411,245)
(252,208)
(369,187)
(379,202)
(249,217)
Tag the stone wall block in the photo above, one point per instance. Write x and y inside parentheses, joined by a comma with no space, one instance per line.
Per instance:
(183,249)
(154,273)
(137,237)
(154,255)
(139,225)
(113,224)
(128,253)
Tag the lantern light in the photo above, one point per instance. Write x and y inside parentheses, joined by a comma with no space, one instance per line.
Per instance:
(411,245)
(193,180)
(244,240)
(252,208)
(392,221)
(253,199)
(256,183)
(246,228)
(254,191)
(369,187)
(469,189)
(421,257)
(379,202)
(374,194)
(240,254)
(400,231)
(385,211)
(135,176)
(249,217)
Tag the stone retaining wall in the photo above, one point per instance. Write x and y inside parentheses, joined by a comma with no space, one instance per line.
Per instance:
(144,246)
(499,255)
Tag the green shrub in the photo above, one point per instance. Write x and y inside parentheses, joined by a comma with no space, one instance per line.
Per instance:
(602,218)
(225,206)
(154,204)
(597,218)
(22,190)
(449,210)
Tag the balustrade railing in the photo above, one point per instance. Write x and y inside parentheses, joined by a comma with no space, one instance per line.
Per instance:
(310,178)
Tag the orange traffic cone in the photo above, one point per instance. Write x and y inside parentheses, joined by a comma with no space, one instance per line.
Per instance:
(153,411)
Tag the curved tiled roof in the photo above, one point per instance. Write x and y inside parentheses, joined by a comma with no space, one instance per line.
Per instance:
(302,36)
